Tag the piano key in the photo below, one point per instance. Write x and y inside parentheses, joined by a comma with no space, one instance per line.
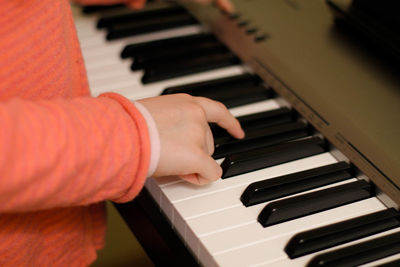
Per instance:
(232,91)
(222,210)
(138,16)
(227,83)
(175,53)
(184,191)
(109,83)
(223,200)
(303,261)
(225,203)
(360,253)
(169,195)
(94,43)
(332,235)
(268,156)
(250,243)
(391,261)
(256,107)
(90,38)
(191,190)
(155,24)
(278,187)
(100,8)
(139,49)
(188,66)
(255,121)
(259,138)
(204,206)
(111,72)
(291,208)
(135,91)
(222,137)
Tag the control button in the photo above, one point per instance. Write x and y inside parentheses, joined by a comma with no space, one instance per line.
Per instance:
(261,37)
(251,30)
(234,16)
(243,23)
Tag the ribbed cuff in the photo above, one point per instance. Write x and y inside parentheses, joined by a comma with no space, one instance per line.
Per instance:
(143,150)
(154,138)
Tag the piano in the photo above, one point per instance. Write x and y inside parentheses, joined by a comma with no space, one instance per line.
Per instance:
(316,181)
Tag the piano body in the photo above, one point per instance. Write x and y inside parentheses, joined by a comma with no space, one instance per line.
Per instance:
(346,95)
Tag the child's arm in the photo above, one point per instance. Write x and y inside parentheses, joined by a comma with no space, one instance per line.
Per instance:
(56,153)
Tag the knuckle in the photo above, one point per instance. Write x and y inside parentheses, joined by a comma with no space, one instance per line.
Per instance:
(184,96)
(197,110)
(221,106)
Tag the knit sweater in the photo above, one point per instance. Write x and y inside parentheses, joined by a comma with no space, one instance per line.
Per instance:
(62,152)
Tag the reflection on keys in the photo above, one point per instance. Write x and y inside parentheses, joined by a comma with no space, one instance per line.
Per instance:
(320,209)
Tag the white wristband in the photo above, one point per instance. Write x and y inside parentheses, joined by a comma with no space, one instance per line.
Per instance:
(154,138)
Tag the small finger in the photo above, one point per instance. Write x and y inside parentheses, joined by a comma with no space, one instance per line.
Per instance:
(194,179)
(209,169)
(205,170)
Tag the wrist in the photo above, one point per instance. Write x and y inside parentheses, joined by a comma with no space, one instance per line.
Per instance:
(155,146)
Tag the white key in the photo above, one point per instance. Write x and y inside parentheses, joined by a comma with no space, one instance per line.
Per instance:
(180,192)
(156,88)
(229,191)
(238,230)
(244,227)
(111,72)
(107,72)
(99,40)
(271,250)
(302,261)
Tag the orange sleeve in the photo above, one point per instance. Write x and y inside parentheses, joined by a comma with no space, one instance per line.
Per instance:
(56,153)
(131,3)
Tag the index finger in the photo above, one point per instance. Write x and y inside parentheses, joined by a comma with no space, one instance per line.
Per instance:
(218,113)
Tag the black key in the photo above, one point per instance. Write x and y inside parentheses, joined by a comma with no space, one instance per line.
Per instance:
(303,205)
(286,185)
(227,83)
(100,8)
(175,69)
(255,121)
(154,58)
(239,163)
(263,137)
(232,91)
(339,233)
(267,118)
(147,26)
(139,16)
(358,254)
(138,49)
(267,131)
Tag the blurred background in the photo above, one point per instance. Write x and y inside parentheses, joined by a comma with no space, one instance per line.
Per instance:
(122,248)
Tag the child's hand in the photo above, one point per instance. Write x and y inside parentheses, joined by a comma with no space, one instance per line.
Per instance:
(186,139)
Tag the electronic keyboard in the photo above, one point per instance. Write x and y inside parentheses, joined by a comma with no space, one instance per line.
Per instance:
(291,194)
